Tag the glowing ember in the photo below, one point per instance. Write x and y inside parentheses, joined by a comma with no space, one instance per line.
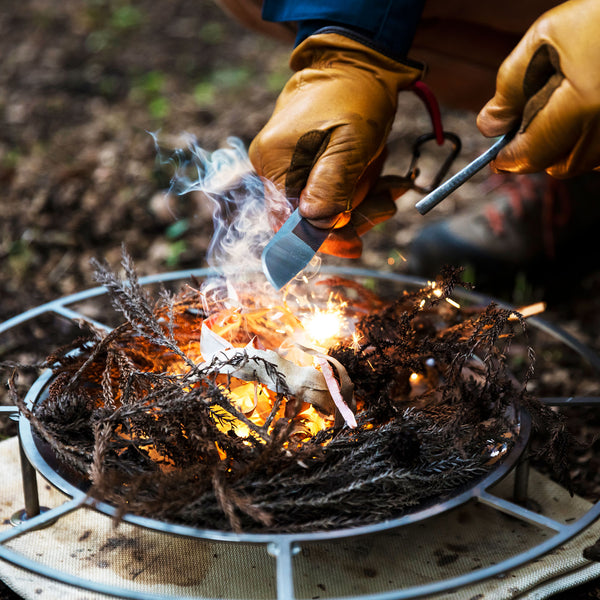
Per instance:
(453,302)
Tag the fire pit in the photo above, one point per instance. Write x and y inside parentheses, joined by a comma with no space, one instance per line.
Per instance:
(284,546)
(195,396)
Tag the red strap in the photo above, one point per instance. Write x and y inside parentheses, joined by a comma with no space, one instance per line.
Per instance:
(423,91)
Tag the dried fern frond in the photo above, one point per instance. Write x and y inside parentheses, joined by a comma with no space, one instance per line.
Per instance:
(153,428)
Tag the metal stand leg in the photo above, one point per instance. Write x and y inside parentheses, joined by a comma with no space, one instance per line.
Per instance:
(30,492)
(30,487)
(521,481)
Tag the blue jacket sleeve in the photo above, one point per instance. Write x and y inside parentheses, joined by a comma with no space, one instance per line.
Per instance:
(389,24)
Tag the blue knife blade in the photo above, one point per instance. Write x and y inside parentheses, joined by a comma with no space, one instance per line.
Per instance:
(291,249)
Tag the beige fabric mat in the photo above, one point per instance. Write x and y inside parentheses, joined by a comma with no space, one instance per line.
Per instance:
(86,544)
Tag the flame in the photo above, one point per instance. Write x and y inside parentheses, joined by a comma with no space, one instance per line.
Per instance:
(250,398)
(278,328)
(241,307)
(256,401)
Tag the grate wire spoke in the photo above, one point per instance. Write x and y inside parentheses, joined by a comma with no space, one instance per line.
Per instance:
(75,316)
(571,401)
(283,551)
(520,512)
(41,520)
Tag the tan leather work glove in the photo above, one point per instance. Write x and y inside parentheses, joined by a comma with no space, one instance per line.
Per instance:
(324,143)
(550,85)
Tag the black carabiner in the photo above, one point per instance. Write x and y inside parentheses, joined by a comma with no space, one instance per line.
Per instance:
(414,171)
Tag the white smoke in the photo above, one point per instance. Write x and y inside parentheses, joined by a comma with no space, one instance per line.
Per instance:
(242,221)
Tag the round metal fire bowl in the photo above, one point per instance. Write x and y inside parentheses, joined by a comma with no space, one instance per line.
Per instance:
(284,546)
(72,483)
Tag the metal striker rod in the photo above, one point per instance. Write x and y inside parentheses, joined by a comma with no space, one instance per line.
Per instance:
(434,198)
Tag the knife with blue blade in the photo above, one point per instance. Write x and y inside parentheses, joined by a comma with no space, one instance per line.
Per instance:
(291,249)
(294,245)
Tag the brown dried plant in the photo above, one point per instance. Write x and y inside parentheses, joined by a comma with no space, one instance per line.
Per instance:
(148,439)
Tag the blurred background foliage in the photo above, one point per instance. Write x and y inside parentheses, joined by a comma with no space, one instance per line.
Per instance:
(81,85)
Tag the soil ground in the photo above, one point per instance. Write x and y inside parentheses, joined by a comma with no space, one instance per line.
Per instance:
(82,84)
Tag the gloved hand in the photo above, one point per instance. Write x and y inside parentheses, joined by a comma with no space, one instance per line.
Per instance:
(550,85)
(324,143)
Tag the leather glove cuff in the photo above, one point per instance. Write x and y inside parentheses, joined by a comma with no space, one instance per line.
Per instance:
(361,38)
(338,45)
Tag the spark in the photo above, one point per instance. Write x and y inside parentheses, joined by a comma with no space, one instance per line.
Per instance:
(395,255)
(453,302)
(323,326)
(356,338)
(529,311)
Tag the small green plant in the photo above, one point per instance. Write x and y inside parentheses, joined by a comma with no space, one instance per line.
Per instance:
(110,22)
(231,78)
(126,17)
(177,246)
(523,291)
(149,89)
(20,257)
(204,93)
(176,249)
(469,275)
(11,158)
(212,33)
(97,41)
(177,229)
(159,107)
(151,83)
(221,80)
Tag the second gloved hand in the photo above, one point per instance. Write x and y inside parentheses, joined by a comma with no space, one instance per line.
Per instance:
(550,86)
(324,144)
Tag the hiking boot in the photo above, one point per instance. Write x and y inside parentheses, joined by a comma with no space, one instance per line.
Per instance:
(533,224)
